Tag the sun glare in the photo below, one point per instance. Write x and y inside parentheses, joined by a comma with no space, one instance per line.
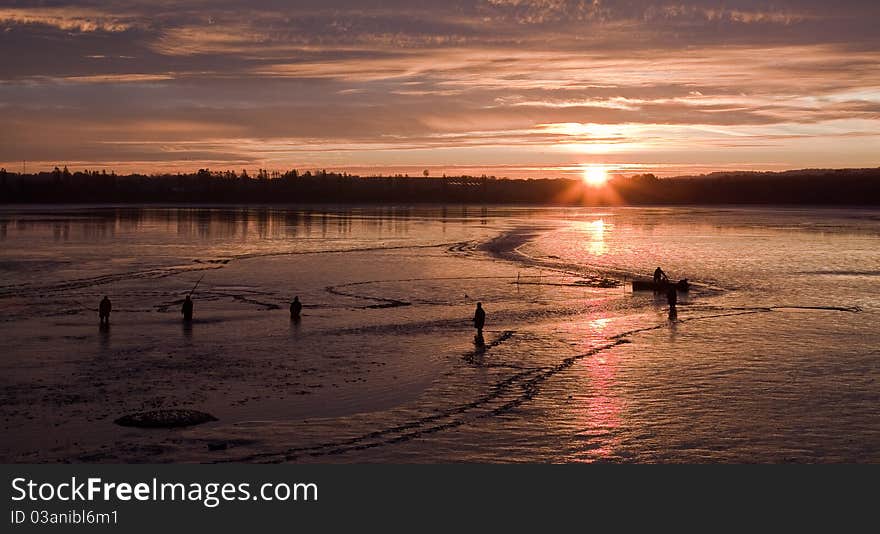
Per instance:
(595,176)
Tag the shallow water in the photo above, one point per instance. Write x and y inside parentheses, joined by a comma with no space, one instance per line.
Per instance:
(774,356)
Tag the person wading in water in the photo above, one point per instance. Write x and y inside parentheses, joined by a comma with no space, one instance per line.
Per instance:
(672,300)
(104,310)
(187,309)
(295,308)
(479,319)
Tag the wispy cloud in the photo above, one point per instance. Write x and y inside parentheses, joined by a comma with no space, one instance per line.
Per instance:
(503,84)
(67,18)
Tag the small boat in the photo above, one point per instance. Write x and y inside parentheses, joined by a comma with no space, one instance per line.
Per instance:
(650,285)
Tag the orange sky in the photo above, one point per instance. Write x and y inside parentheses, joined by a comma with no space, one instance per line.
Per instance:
(506,87)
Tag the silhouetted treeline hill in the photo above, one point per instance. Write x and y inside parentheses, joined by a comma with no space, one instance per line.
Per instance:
(830,187)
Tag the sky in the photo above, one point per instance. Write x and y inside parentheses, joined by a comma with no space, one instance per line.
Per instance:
(518,88)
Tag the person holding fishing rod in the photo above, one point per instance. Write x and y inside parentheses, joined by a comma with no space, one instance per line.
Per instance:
(187,308)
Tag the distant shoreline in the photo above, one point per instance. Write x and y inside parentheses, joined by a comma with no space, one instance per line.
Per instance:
(339,206)
(845,187)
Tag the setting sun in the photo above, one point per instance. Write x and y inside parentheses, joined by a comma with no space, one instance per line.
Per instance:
(595,176)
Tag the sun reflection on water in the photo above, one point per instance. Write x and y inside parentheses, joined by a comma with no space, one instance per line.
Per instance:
(600,408)
(595,231)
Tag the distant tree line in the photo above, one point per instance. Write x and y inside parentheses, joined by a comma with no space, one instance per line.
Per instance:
(819,187)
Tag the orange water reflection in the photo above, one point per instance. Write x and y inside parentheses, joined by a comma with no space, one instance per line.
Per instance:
(595,231)
(598,410)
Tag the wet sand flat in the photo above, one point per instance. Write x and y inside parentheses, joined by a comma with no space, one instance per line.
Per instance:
(383,366)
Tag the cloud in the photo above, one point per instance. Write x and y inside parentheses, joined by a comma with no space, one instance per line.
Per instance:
(497,82)
(70,19)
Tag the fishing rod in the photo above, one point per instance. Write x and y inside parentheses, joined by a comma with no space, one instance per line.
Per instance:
(195,286)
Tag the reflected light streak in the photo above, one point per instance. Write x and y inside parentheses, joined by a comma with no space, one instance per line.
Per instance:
(599,415)
(595,230)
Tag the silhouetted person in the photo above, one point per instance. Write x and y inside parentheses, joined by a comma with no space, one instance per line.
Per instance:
(479,319)
(187,309)
(295,308)
(672,299)
(104,310)
(660,276)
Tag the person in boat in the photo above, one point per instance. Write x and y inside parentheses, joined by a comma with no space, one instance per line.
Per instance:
(660,276)
(479,319)
(187,309)
(295,308)
(104,310)
(672,300)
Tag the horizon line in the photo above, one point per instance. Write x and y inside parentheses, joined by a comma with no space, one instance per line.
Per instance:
(574,172)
